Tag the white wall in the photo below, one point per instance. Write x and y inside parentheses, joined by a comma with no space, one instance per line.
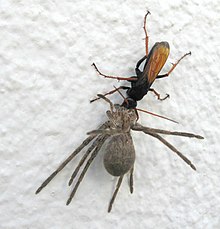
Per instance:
(46,82)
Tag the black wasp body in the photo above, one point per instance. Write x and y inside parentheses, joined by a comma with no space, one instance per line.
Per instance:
(141,83)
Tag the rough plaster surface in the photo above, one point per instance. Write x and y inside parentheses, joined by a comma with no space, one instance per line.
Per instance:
(46,81)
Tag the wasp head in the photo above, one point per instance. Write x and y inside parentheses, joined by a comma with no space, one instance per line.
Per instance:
(129,103)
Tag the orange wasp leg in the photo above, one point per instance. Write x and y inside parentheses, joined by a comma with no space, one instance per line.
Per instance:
(173,67)
(114,77)
(111,92)
(145,31)
(158,95)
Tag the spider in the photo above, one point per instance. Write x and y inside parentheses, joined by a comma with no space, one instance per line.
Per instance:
(119,157)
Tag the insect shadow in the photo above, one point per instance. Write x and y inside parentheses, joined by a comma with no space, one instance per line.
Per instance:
(141,83)
(119,157)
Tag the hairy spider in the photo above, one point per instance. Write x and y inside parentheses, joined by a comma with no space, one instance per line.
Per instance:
(120,153)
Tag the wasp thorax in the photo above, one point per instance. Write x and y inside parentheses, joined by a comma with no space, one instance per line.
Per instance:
(120,154)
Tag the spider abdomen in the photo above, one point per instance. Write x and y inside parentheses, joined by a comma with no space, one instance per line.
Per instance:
(120,154)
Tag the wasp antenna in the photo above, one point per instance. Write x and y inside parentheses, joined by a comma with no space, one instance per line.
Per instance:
(160,116)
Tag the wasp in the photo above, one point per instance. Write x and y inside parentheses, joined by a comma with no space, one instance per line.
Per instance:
(142,82)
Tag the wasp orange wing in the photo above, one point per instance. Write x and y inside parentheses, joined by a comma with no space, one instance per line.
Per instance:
(156,60)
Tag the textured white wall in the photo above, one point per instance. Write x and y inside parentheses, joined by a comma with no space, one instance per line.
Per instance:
(46,81)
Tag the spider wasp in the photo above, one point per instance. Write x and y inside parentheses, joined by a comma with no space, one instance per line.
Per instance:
(142,82)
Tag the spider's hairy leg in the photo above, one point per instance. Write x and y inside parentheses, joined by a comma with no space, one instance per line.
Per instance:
(131,183)
(115,193)
(90,160)
(96,132)
(85,156)
(85,143)
(147,130)
(75,152)
(107,100)
(173,149)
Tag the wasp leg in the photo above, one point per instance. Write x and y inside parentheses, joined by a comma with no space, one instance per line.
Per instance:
(111,92)
(158,95)
(137,70)
(114,77)
(115,193)
(173,67)
(145,31)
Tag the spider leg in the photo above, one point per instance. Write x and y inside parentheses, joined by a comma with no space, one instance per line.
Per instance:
(173,149)
(148,130)
(90,149)
(96,132)
(115,193)
(85,143)
(107,100)
(75,152)
(131,183)
(92,157)
(92,132)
